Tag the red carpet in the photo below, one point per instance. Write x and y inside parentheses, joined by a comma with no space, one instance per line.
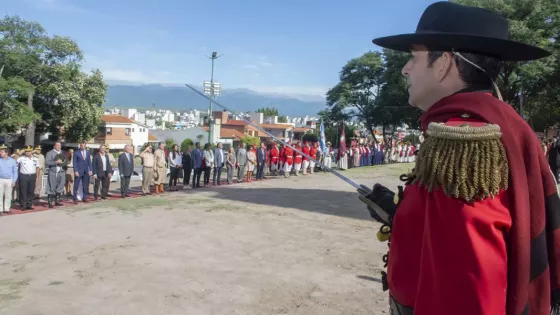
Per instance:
(41,204)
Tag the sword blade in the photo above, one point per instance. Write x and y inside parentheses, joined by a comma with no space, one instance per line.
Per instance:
(344,178)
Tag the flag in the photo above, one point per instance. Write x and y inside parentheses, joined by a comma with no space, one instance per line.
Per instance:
(342,144)
(322,141)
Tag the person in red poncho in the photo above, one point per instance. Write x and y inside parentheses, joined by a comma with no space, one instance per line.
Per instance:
(288,158)
(476,228)
(282,158)
(298,158)
(307,151)
(274,158)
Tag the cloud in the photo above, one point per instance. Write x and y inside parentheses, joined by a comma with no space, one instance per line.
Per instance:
(55,5)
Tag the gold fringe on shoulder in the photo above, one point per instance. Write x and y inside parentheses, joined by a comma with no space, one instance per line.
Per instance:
(466,162)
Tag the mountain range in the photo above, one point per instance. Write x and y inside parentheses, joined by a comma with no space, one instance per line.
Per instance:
(176,97)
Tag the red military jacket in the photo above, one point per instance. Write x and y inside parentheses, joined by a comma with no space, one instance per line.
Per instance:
(313,152)
(288,155)
(306,150)
(282,155)
(274,154)
(448,256)
(297,155)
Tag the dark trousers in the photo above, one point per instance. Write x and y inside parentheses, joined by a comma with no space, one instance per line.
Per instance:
(26,189)
(260,170)
(196,177)
(104,181)
(173,176)
(186,175)
(207,171)
(85,185)
(217,174)
(125,185)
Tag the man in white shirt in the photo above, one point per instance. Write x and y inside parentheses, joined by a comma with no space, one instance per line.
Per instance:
(28,169)
(102,172)
(218,164)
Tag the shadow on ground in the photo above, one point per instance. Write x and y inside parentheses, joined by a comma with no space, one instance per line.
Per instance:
(339,203)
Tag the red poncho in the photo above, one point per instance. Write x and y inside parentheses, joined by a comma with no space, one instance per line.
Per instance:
(533,242)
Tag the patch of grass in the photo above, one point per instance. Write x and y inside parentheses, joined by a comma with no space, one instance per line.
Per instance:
(10,289)
(56,283)
(391,170)
(225,207)
(13,244)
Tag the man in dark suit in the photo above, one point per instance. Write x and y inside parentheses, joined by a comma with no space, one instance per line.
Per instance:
(188,165)
(126,167)
(197,157)
(218,163)
(102,172)
(261,161)
(82,171)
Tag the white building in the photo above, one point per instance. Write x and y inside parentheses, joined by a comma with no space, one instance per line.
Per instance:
(129,113)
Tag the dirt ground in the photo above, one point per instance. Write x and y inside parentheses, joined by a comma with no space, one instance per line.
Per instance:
(303,245)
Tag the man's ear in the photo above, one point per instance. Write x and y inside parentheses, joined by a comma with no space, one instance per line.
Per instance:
(443,65)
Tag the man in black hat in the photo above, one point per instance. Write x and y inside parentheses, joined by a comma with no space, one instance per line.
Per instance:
(476,230)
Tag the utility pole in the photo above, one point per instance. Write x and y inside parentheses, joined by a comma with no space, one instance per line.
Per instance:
(213,91)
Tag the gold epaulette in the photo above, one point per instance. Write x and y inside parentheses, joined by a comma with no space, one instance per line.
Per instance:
(466,162)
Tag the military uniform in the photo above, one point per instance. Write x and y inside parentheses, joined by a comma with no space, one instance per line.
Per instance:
(41,162)
(160,170)
(476,230)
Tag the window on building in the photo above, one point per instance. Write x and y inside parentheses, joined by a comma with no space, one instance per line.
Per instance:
(127,131)
(108,131)
(132,129)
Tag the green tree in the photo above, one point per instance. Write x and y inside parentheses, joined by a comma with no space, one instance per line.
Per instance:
(310,137)
(282,119)
(373,90)
(14,113)
(169,142)
(169,125)
(186,143)
(64,98)
(250,141)
(355,95)
(535,22)
(268,111)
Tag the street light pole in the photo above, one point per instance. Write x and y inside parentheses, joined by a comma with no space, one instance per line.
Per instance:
(212,95)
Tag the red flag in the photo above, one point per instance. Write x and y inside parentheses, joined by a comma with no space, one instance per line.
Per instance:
(342,145)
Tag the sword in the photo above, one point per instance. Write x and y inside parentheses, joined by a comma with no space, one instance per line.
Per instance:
(344,178)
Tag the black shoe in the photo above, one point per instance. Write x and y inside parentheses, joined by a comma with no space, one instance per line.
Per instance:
(57,200)
(50,201)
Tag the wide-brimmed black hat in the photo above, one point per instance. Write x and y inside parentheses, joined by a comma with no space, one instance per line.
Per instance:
(446,26)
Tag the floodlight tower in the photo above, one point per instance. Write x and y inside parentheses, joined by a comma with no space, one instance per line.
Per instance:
(212,89)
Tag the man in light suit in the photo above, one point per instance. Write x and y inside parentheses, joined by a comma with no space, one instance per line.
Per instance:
(82,171)
(126,167)
(261,161)
(102,172)
(197,157)
(218,163)
(241,161)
